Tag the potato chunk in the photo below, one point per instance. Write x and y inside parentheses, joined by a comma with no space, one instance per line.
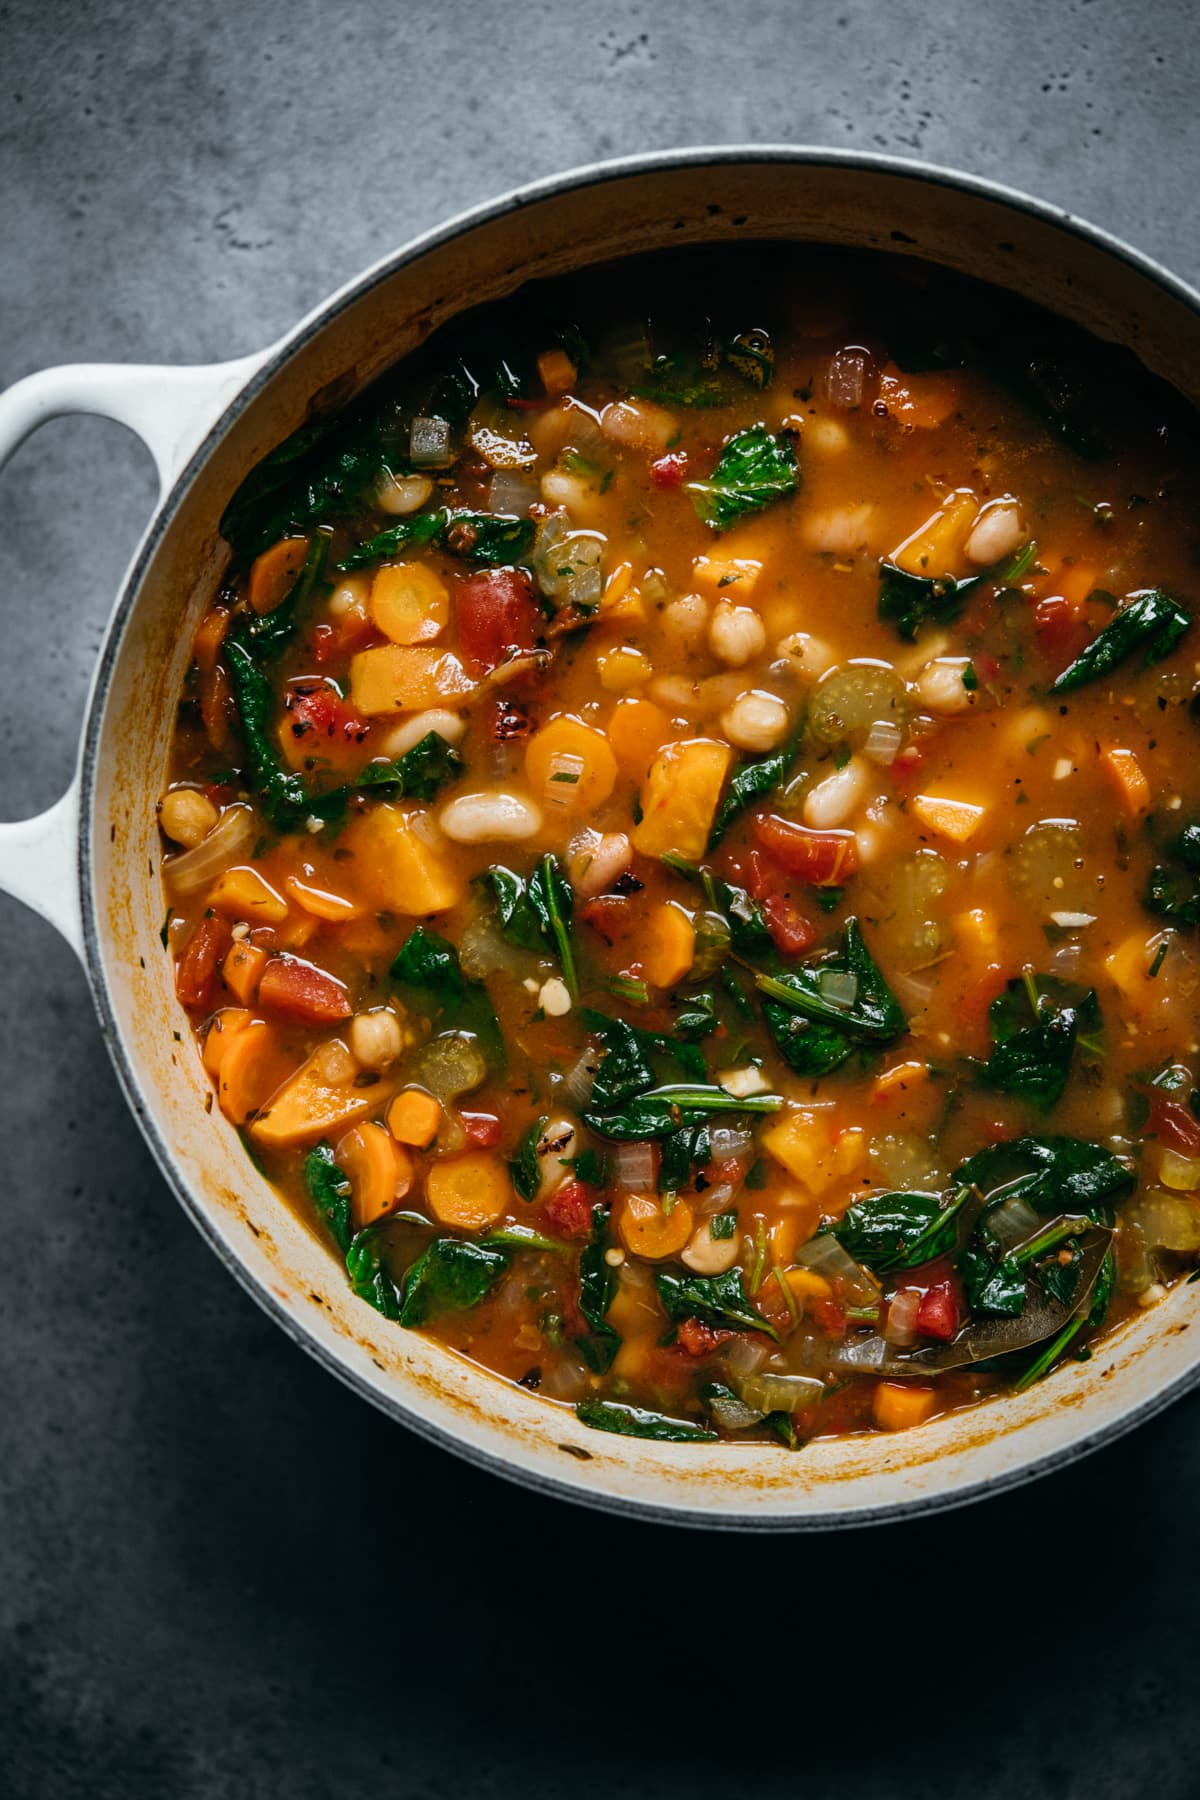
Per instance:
(679,798)
(399,863)
(405,677)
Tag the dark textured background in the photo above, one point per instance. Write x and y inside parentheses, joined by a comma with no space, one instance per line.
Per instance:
(220,1574)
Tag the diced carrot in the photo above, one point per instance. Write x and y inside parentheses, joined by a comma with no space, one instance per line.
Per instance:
(322,903)
(242,969)
(379,1171)
(570,765)
(670,945)
(1075,581)
(196,970)
(405,677)
(414,1117)
(899,1079)
(253,1065)
(637,731)
(409,602)
(470,1192)
(296,931)
(319,1097)
(220,1034)
(679,798)
(243,894)
(897,1405)
(647,1230)
(1128,781)
(273,574)
(210,635)
(733,577)
(957,820)
(364,936)
(398,864)
(299,990)
(924,401)
(557,371)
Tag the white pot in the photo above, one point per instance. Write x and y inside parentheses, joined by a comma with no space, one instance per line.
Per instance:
(91,864)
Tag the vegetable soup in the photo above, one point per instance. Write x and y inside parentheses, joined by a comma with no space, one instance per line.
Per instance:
(683,842)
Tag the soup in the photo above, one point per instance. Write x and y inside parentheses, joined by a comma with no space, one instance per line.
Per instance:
(683,843)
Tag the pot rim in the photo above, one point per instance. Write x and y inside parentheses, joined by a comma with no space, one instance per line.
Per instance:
(572,180)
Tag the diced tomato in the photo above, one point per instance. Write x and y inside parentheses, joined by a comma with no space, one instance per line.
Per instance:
(1061,634)
(296,989)
(907,766)
(569,1209)
(608,915)
(332,642)
(974,1001)
(791,931)
(698,1339)
(1172,1123)
(318,715)
(196,970)
(483,1130)
(937,1315)
(497,616)
(668,471)
(820,858)
(830,1316)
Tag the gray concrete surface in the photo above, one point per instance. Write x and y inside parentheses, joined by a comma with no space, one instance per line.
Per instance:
(220,1574)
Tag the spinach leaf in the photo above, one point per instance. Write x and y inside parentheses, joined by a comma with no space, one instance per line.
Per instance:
(369,1275)
(316,474)
(518,921)
(450,1275)
(718,1300)
(420,772)
(900,1231)
(624,1070)
(1149,619)
(329,1189)
(636,1422)
(814,1031)
(751,781)
(429,965)
(753,469)
(697,1016)
(910,601)
(992,1286)
(1033,1058)
(690,1146)
(597,1290)
(1174,893)
(536,911)
(748,934)
(1053,1174)
(663,1110)
(485,538)
(524,1167)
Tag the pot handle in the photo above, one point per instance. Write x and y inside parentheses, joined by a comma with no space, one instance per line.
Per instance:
(171,410)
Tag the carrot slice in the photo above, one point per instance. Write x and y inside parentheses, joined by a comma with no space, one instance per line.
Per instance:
(253,1064)
(670,947)
(242,969)
(647,1230)
(570,764)
(380,1172)
(220,1034)
(273,574)
(414,1117)
(469,1192)
(319,1097)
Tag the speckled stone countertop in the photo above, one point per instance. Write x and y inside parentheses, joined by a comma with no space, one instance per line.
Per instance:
(220,1573)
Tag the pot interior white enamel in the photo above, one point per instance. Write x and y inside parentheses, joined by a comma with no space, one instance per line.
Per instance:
(598,217)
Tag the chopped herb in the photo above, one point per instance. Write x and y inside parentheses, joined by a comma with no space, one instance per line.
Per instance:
(753,469)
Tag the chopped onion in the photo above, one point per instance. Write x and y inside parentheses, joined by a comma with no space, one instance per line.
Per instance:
(781,1393)
(731,1412)
(825,1256)
(429,443)
(905,1159)
(1072,921)
(483,950)
(837,989)
(578,1081)
(715,1199)
(563,776)
(883,742)
(726,1142)
(634,1167)
(914,992)
(742,1356)
(512,491)
(1179,1173)
(564,1377)
(1012,1222)
(567,562)
(846,377)
(862,1354)
(494,436)
(900,1326)
(198,867)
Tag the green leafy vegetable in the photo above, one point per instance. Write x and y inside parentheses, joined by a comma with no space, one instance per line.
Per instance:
(1035,1025)
(753,469)
(718,1300)
(420,772)
(624,1070)
(689,1147)
(1149,619)
(450,1275)
(524,1167)
(636,1422)
(476,537)
(536,911)
(751,781)
(900,1231)
(329,1189)
(748,934)
(428,965)
(1052,1174)
(911,601)
(597,1290)
(1174,892)
(816,1032)
(318,473)
(369,1275)
(663,1110)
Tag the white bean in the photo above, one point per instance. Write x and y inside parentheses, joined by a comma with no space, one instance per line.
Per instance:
(376,1038)
(351,595)
(831,802)
(735,633)
(996,533)
(709,1255)
(756,721)
(940,685)
(639,425)
(490,818)
(402,737)
(554,997)
(597,861)
(838,530)
(555,1147)
(808,655)
(826,437)
(687,617)
(401,494)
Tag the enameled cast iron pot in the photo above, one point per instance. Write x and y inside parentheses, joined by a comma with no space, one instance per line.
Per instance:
(91,864)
